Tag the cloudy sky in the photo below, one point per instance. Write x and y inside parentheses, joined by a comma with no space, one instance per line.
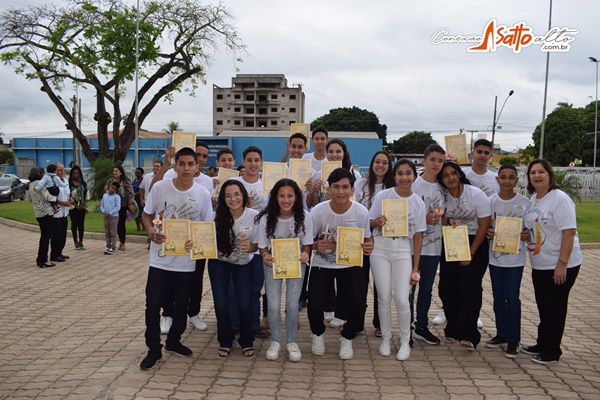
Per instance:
(377,55)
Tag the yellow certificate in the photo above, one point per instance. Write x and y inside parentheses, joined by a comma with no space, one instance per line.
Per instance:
(176,234)
(508,235)
(286,258)
(204,240)
(456,243)
(300,171)
(184,139)
(456,146)
(225,174)
(272,172)
(326,168)
(349,249)
(396,213)
(304,129)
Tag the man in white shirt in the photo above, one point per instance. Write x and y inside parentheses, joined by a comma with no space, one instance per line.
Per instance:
(478,173)
(147,180)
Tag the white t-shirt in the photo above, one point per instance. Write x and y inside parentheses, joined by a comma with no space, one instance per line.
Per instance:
(486,182)
(249,229)
(472,204)
(416,211)
(203,180)
(169,202)
(314,163)
(361,191)
(146,181)
(432,195)
(545,219)
(514,208)
(285,230)
(324,217)
(255,191)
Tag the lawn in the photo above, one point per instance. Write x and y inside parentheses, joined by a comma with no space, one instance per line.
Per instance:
(588,215)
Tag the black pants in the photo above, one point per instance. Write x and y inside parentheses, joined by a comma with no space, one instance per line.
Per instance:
(59,236)
(77,220)
(353,283)
(121,230)
(45,224)
(552,303)
(461,292)
(195,292)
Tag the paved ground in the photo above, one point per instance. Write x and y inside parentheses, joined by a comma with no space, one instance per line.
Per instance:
(76,332)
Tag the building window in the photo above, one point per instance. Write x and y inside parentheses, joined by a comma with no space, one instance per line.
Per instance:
(273,97)
(292,97)
(249,97)
(237,96)
(273,109)
(292,122)
(219,97)
(262,110)
(274,123)
(219,122)
(249,123)
(262,97)
(236,122)
(219,109)
(237,109)
(292,109)
(249,110)
(262,124)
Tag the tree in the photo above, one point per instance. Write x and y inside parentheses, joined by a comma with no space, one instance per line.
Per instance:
(351,120)
(172,126)
(414,142)
(91,44)
(7,157)
(509,160)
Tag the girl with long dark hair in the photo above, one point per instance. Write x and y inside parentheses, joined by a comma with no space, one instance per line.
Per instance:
(78,189)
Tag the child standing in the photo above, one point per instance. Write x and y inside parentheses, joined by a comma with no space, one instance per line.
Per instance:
(110,206)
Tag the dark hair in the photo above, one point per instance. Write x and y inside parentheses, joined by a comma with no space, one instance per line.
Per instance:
(200,143)
(212,168)
(251,149)
(482,142)
(224,151)
(548,167)
(223,219)
(272,210)
(140,169)
(116,185)
(461,175)
(388,178)
(434,147)
(508,166)
(51,168)
(120,168)
(36,174)
(299,135)
(340,173)
(157,161)
(317,130)
(81,180)
(405,161)
(240,167)
(186,151)
(346,163)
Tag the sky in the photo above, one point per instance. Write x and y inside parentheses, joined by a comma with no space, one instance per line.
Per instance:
(376,55)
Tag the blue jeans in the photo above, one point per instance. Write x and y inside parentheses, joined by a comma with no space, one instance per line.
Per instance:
(221,273)
(293,288)
(506,286)
(258,281)
(428,269)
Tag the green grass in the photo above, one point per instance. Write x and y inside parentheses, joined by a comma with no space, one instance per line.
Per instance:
(588,215)
(22,211)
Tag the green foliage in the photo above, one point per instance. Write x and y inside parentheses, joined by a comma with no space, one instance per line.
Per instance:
(351,120)
(98,174)
(569,184)
(171,127)
(508,160)
(7,157)
(414,142)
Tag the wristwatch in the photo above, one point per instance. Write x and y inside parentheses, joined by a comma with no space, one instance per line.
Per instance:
(563,262)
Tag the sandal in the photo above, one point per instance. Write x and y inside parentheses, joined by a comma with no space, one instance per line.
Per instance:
(224,351)
(248,351)
(468,345)
(378,333)
(449,340)
(122,247)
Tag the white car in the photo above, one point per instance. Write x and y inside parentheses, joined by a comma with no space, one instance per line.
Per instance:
(25,182)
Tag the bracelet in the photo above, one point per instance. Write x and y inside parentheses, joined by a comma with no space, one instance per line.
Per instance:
(263,254)
(563,262)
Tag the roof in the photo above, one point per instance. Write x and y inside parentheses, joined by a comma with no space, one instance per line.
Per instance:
(332,134)
(142,135)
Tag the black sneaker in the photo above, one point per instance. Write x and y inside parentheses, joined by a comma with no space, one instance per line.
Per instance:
(179,349)
(411,342)
(531,350)
(544,359)
(512,350)
(426,336)
(150,360)
(496,342)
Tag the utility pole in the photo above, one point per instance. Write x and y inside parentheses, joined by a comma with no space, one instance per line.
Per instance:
(74,114)
(469,130)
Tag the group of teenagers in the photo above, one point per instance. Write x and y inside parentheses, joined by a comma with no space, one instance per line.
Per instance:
(444,194)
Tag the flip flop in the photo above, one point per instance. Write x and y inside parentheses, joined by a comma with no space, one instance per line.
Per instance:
(378,333)
(248,351)
(224,352)
(449,340)
(468,345)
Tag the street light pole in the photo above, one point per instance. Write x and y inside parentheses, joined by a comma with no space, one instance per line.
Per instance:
(595,61)
(543,131)
(499,114)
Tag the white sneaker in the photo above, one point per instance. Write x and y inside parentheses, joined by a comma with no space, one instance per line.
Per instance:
(479,323)
(346,352)
(318,345)
(337,323)
(198,323)
(294,352)
(328,315)
(166,325)
(273,352)
(404,352)
(385,348)
(440,319)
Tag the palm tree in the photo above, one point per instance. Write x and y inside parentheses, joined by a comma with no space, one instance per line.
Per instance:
(172,126)
(569,184)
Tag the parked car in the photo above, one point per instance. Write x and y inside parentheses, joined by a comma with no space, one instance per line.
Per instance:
(11,189)
(25,182)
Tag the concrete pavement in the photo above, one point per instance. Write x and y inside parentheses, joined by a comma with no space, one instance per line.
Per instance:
(76,332)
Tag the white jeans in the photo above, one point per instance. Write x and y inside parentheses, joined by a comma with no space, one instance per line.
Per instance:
(391,263)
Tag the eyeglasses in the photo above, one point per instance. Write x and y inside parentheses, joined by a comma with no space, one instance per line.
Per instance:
(487,153)
(233,195)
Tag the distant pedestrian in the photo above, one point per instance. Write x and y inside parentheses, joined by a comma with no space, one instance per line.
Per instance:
(139,176)
(78,189)
(127,201)
(43,211)
(110,206)
(59,222)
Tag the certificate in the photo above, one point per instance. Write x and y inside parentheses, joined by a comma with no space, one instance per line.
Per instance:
(204,240)
(176,234)
(224,174)
(272,172)
(456,243)
(508,235)
(300,171)
(326,168)
(184,139)
(349,249)
(286,258)
(304,129)
(456,146)
(396,213)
